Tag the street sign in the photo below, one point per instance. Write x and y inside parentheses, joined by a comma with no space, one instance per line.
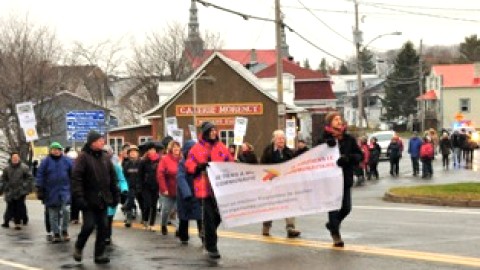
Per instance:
(79,123)
(26,114)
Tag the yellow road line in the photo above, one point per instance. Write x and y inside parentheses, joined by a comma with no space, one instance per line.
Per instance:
(17,265)
(389,252)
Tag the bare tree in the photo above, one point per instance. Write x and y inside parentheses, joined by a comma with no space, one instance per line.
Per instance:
(27,54)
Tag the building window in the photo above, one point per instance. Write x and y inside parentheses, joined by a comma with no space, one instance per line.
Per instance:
(144,139)
(116,143)
(465,105)
(226,136)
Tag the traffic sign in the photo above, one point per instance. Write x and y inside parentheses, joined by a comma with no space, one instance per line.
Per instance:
(79,123)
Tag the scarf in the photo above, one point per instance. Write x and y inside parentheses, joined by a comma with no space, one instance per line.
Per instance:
(336,133)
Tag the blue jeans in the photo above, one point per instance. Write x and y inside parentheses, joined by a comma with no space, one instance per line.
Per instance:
(457,155)
(59,217)
(168,205)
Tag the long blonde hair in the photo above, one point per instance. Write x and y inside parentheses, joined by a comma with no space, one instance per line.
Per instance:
(170,146)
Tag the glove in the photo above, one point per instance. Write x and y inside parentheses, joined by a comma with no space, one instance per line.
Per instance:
(201,167)
(331,142)
(81,203)
(115,200)
(40,194)
(343,161)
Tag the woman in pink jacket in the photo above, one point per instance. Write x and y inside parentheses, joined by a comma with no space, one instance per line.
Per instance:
(167,181)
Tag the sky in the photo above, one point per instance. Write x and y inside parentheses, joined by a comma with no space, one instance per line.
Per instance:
(92,21)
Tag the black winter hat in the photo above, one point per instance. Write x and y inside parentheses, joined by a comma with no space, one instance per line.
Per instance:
(93,136)
(166,141)
(206,127)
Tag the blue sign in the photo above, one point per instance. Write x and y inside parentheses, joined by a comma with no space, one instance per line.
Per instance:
(79,123)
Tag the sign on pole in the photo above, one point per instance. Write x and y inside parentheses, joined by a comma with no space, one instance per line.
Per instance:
(30,133)
(193,132)
(240,130)
(26,114)
(290,132)
(177,135)
(79,123)
(171,124)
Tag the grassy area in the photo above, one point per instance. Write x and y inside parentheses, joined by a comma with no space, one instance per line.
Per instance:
(460,191)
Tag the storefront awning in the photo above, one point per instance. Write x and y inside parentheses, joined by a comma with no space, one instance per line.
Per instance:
(429,95)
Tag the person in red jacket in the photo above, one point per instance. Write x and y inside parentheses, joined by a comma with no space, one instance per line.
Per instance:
(167,181)
(208,148)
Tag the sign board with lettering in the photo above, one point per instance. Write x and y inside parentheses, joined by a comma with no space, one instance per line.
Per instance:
(171,123)
(30,133)
(220,109)
(240,130)
(193,132)
(217,121)
(177,135)
(26,114)
(79,123)
(290,132)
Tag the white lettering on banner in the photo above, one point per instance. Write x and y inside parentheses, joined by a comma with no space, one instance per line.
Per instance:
(308,184)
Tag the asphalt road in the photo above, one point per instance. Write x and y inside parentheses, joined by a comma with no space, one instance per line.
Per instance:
(378,235)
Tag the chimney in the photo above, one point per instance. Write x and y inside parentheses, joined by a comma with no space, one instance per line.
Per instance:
(253,57)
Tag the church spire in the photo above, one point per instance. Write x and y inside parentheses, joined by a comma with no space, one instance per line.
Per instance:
(194,43)
(284,46)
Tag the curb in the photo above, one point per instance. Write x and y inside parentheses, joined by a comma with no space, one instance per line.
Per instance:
(390,197)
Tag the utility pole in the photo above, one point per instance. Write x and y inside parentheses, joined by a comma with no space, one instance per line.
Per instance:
(357,37)
(420,87)
(278,41)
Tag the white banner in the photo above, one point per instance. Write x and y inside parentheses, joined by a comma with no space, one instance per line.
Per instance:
(177,135)
(26,114)
(308,184)
(171,123)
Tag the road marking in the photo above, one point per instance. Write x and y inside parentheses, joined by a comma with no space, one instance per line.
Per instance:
(427,210)
(388,252)
(18,265)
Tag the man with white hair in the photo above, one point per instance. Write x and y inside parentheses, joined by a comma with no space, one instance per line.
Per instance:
(278,152)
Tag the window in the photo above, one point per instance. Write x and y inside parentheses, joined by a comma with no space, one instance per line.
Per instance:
(465,105)
(116,143)
(226,136)
(144,139)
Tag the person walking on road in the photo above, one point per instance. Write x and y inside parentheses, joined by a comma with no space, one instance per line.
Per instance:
(209,148)
(94,187)
(278,152)
(130,170)
(445,149)
(362,169)
(148,185)
(427,153)
(456,140)
(414,145)
(394,153)
(54,189)
(334,135)
(375,151)
(16,183)
(167,181)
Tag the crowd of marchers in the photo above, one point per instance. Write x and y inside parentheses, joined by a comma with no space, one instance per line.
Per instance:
(95,182)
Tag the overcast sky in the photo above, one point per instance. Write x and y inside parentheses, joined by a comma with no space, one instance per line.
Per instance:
(94,20)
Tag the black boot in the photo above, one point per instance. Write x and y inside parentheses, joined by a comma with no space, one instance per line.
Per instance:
(164,230)
(102,259)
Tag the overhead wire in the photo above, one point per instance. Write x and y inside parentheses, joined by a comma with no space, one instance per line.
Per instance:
(426,7)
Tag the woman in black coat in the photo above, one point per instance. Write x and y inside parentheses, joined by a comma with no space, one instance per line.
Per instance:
(334,135)
(247,155)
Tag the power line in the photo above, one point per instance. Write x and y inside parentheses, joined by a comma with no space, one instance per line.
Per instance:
(425,7)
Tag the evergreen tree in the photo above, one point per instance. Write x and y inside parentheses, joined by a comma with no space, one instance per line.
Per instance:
(366,60)
(306,63)
(470,49)
(401,86)
(343,70)
(323,67)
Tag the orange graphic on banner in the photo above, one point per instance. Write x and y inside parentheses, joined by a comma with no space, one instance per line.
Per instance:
(270,174)
(220,109)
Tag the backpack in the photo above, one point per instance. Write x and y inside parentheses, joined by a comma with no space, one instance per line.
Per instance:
(426,151)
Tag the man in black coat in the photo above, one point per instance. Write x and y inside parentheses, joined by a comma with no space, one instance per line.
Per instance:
(94,188)
(278,152)
(335,135)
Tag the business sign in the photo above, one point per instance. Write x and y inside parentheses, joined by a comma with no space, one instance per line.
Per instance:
(249,194)
(217,121)
(79,123)
(220,109)
(26,114)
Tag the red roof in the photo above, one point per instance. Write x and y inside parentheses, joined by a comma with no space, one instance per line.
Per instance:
(429,95)
(313,90)
(267,57)
(461,75)
(292,68)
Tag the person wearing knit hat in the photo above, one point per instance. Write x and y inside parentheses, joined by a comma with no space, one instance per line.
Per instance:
(206,127)
(93,136)
(335,135)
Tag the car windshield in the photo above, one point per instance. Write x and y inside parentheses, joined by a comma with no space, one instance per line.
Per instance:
(384,137)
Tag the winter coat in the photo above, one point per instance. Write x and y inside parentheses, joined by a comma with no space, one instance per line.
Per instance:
(426,151)
(94,180)
(456,140)
(394,151)
(122,185)
(414,147)
(17,181)
(248,157)
(147,174)
(375,151)
(349,149)
(130,170)
(445,146)
(167,175)
(188,207)
(201,153)
(366,156)
(301,151)
(270,156)
(54,179)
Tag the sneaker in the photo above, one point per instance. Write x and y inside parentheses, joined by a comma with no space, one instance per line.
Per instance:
(164,230)
(128,223)
(292,233)
(65,236)
(214,255)
(56,238)
(77,254)
(102,259)
(337,240)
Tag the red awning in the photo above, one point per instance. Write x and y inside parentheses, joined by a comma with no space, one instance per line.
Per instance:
(429,95)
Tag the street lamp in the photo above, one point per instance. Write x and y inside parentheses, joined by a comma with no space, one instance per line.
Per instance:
(357,35)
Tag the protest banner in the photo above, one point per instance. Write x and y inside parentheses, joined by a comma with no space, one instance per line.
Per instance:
(171,123)
(308,184)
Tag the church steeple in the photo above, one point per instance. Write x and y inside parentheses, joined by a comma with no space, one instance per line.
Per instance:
(194,42)
(284,46)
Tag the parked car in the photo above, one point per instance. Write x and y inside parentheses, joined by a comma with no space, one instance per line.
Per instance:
(383,139)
